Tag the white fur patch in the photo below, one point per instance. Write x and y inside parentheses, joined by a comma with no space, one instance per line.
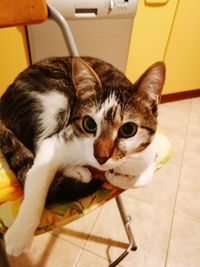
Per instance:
(99,116)
(51,103)
(136,163)
(136,170)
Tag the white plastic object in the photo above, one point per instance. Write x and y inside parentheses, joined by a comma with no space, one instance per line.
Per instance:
(90,9)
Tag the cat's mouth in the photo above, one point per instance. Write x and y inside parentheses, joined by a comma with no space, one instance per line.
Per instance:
(101,167)
(105,166)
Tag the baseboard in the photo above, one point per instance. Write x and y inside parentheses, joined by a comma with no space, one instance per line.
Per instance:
(180,96)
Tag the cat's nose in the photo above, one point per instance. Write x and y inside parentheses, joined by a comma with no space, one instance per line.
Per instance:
(102,160)
(103,148)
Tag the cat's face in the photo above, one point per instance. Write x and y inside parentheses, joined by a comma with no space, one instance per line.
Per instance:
(118,121)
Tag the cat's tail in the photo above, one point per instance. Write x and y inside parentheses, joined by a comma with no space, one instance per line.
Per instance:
(19,158)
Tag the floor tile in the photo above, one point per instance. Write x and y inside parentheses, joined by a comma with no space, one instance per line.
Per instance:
(173,120)
(151,228)
(196,100)
(48,251)
(78,231)
(192,147)
(177,142)
(184,249)
(195,111)
(88,259)
(189,193)
(161,191)
(174,116)
(193,133)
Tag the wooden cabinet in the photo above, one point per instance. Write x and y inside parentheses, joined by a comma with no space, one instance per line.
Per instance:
(169,31)
(13,54)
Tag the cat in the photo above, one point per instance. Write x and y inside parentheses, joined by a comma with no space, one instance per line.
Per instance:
(72,113)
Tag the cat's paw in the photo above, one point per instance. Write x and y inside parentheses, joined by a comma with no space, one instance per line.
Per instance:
(83,174)
(79,173)
(120,180)
(114,179)
(17,241)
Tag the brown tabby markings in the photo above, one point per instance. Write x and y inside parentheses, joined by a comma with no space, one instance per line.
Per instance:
(19,157)
(106,145)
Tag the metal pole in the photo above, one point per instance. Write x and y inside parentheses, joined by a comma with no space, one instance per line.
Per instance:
(64,26)
(126,222)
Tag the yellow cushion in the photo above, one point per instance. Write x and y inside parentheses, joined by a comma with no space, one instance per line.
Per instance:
(11,195)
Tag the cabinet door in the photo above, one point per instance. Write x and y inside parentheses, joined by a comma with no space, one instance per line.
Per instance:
(183,52)
(13,54)
(151,30)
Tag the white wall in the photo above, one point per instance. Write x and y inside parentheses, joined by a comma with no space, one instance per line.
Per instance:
(107,39)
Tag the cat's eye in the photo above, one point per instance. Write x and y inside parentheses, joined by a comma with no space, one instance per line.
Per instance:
(128,129)
(89,125)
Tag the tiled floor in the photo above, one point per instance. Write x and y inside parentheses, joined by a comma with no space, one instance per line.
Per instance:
(166,214)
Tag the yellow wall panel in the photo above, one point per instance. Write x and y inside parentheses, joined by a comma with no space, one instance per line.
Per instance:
(183,52)
(13,55)
(150,34)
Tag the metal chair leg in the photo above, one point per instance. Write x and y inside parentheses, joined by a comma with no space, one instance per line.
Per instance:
(126,222)
(3,257)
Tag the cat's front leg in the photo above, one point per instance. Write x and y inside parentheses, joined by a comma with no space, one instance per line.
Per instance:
(19,236)
(120,180)
(130,181)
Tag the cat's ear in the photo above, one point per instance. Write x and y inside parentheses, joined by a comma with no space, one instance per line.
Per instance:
(86,81)
(151,82)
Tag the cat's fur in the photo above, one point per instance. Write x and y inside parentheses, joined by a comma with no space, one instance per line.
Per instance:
(47,108)
(63,188)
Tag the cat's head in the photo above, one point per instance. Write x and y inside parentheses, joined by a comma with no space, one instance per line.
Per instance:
(119,118)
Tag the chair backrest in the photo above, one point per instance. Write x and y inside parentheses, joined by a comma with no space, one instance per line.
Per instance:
(22,12)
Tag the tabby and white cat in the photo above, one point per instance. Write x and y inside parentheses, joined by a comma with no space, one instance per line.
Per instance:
(73,113)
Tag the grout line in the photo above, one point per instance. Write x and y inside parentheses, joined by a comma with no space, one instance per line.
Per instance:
(96,254)
(188,217)
(77,259)
(179,180)
(85,242)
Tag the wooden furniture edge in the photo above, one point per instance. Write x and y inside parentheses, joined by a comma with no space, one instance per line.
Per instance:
(22,12)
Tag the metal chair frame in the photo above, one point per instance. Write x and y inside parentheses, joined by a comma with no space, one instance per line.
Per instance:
(126,220)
